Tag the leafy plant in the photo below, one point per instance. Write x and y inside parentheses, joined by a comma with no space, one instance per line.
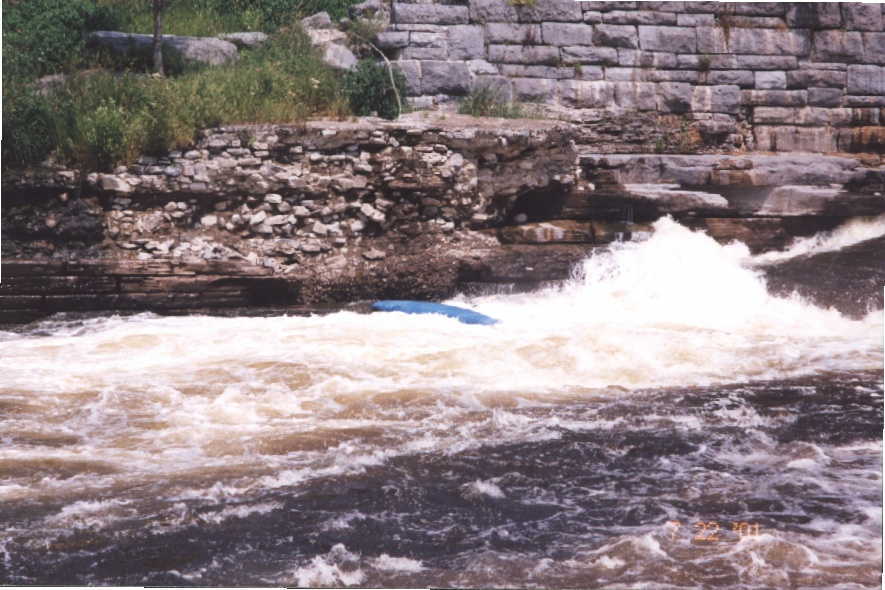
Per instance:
(369,89)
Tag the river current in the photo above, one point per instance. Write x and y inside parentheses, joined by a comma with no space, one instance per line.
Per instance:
(658,421)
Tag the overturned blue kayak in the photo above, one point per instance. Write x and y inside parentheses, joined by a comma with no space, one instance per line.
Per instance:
(459,313)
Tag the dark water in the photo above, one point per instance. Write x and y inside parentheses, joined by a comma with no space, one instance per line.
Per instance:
(663,421)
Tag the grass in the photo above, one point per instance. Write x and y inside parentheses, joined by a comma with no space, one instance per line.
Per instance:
(485,101)
(97,120)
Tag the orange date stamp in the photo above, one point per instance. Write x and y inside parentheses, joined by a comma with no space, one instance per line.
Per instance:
(710,531)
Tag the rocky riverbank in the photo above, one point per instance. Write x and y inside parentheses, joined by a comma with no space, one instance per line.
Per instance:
(332,212)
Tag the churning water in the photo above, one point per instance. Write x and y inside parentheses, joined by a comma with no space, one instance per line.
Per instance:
(660,421)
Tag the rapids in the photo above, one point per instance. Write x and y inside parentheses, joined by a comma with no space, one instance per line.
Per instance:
(592,438)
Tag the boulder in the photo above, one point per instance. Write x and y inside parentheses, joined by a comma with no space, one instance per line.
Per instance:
(245,40)
(329,40)
(204,50)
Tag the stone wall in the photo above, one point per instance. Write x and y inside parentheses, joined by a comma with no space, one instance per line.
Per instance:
(660,76)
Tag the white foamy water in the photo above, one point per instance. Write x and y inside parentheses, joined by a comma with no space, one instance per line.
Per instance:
(222,410)
(853,231)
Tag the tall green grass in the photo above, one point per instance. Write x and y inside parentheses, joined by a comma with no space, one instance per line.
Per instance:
(97,120)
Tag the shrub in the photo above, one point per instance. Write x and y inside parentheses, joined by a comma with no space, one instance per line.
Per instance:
(28,125)
(45,36)
(369,89)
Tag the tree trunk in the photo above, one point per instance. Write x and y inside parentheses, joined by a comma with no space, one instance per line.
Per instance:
(158,36)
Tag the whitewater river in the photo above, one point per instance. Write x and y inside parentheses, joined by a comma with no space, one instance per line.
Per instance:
(660,421)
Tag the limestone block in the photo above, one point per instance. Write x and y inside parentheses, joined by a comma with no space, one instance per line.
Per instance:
(664,6)
(837,45)
(524,54)
(434,14)
(777,98)
(770,41)
(606,6)
(566,11)
(581,54)
(513,33)
(760,62)
(566,34)
(392,39)
(647,59)
(771,80)
(807,78)
(781,138)
(742,78)
(437,52)
(810,116)
(592,18)
(489,11)
(445,77)
(712,40)
(711,7)
(589,95)
(674,97)
(867,80)
(466,42)
(814,15)
(638,96)
(590,73)
(245,40)
(430,40)
(615,36)
(481,67)
(716,99)
(671,39)
(551,72)
(695,20)
(411,70)
(825,97)
(862,17)
(757,22)
(623,74)
(864,101)
(533,89)
(639,17)
(760,8)
(874,48)
(689,76)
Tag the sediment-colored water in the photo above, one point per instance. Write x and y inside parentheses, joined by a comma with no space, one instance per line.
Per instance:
(659,421)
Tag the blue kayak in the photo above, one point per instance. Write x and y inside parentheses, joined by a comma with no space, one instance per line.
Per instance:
(459,313)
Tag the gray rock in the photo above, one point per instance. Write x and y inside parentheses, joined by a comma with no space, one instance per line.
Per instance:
(533,89)
(392,39)
(815,78)
(639,17)
(591,95)
(205,50)
(319,20)
(411,70)
(770,80)
(866,80)
(374,254)
(257,218)
(445,77)
(838,46)
(209,220)
(769,41)
(640,96)
(616,36)
(814,15)
(276,220)
(716,99)
(742,78)
(874,48)
(466,42)
(115,184)
(245,40)
(862,17)
(674,97)
(671,39)
(776,98)
(513,33)
(566,34)
(488,11)
(825,97)
(551,10)
(433,14)
(670,198)
(524,54)
(579,54)
(339,57)
(273,199)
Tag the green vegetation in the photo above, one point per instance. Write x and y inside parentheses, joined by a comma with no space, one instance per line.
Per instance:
(485,101)
(106,110)
(369,89)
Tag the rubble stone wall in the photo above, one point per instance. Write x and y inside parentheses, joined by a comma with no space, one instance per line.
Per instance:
(767,76)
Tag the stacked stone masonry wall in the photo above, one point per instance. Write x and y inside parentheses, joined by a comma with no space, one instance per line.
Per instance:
(769,76)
